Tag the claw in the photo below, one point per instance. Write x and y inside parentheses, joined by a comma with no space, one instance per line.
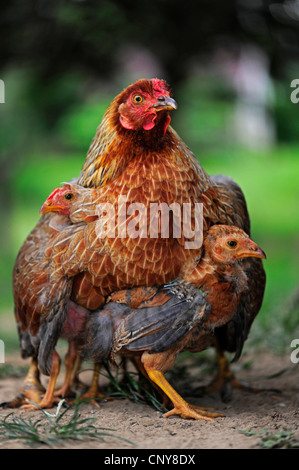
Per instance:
(190,411)
(181,407)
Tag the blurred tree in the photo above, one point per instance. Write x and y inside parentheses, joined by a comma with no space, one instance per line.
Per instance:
(55,36)
(61,40)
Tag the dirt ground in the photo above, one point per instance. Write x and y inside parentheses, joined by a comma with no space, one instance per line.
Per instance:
(256,414)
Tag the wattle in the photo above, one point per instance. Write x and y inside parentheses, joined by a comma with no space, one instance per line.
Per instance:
(149,122)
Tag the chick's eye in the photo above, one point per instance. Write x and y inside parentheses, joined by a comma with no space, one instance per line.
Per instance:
(138,99)
(68,196)
(232,243)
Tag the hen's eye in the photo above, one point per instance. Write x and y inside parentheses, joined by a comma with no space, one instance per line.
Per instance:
(231,243)
(138,99)
(68,196)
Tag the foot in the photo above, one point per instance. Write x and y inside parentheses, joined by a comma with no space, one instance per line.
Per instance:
(93,394)
(32,389)
(225,381)
(92,397)
(64,391)
(48,398)
(44,403)
(225,384)
(192,411)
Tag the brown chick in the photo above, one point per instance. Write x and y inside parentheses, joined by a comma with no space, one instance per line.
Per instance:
(177,316)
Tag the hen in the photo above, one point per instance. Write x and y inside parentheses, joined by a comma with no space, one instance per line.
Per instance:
(137,157)
(177,316)
(134,154)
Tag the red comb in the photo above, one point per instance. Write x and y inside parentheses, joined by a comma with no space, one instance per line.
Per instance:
(160,86)
(55,191)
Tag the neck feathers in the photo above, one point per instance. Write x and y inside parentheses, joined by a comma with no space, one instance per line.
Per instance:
(206,273)
(114,147)
(102,163)
(195,273)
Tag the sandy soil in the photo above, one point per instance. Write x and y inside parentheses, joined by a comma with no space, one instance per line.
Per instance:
(146,429)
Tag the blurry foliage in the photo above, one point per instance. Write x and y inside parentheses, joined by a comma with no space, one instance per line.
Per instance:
(58,35)
(205,106)
(60,64)
(77,127)
(286,113)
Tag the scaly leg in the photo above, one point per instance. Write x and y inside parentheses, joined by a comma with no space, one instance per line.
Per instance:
(141,369)
(48,399)
(32,388)
(181,407)
(76,382)
(225,380)
(93,392)
(69,362)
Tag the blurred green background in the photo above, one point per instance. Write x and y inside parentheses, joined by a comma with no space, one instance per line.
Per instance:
(230,65)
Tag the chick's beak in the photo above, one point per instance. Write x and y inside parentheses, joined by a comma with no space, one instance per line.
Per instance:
(251,250)
(49,207)
(46,207)
(165,103)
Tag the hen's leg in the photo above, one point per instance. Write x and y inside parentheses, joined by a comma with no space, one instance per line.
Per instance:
(48,399)
(225,381)
(79,386)
(154,365)
(140,367)
(93,392)
(69,362)
(32,388)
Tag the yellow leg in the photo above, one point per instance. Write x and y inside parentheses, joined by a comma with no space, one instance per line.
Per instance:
(93,392)
(224,374)
(32,388)
(140,367)
(225,380)
(69,362)
(48,399)
(181,407)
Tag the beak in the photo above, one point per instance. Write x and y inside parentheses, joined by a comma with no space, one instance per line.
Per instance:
(48,207)
(252,250)
(165,103)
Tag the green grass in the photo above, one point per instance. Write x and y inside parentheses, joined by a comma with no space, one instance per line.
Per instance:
(66,425)
(274,440)
(56,429)
(132,386)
